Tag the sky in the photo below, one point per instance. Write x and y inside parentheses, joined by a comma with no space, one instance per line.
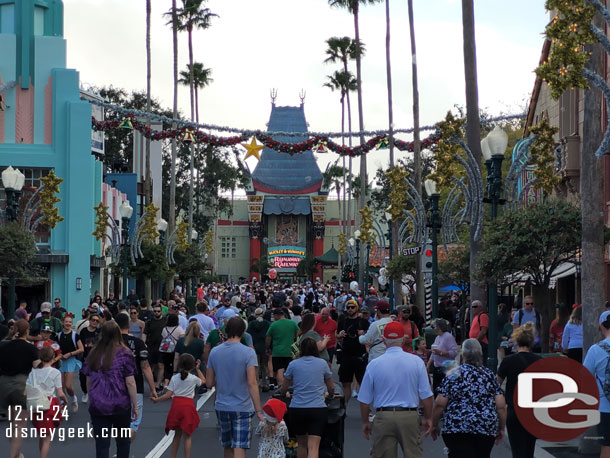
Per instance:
(254,46)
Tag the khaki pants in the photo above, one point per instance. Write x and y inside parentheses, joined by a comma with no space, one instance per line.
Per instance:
(393,428)
(261,370)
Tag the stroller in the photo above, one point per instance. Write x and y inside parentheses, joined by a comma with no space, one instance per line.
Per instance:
(331,445)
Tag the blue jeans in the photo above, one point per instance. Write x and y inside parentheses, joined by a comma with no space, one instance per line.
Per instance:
(106,423)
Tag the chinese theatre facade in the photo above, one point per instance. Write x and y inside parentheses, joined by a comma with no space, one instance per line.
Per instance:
(286,202)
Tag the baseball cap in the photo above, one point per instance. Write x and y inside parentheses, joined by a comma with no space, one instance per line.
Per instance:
(604,316)
(393,330)
(372,291)
(383,307)
(404,309)
(45,307)
(46,328)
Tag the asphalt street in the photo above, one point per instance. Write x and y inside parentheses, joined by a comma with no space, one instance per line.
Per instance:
(151,441)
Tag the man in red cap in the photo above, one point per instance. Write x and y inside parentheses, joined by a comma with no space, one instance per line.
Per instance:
(395,383)
(374,336)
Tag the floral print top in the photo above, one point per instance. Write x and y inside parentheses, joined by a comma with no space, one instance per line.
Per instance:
(272,446)
(471,406)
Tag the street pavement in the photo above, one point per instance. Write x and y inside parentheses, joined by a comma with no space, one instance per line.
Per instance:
(151,441)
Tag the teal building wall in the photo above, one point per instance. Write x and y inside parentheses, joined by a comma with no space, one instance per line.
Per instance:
(45,124)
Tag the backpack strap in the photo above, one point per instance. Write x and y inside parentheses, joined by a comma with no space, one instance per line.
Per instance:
(520,316)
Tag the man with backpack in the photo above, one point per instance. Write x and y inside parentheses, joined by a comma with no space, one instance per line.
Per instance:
(597,362)
(529,313)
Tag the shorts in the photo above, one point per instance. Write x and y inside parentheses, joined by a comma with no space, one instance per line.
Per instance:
(308,421)
(153,356)
(351,366)
(135,425)
(604,429)
(331,354)
(280,362)
(235,428)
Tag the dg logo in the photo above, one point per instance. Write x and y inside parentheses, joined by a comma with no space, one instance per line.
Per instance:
(556,399)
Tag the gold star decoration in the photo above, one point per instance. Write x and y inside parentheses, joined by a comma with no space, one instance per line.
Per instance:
(253,149)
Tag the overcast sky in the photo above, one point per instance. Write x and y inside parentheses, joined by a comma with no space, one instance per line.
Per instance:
(254,46)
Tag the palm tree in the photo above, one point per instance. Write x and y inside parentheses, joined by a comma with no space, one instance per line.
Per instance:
(190,17)
(353,6)
(148,178)
(172,188)
(202,77)
(473,127)
(343,49)
(332,180)
(416,156)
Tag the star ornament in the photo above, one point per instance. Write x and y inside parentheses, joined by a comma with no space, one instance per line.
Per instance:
(253,149)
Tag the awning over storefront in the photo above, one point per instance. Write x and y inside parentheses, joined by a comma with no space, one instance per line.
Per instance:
(286,206)
(565,269)
(330,258)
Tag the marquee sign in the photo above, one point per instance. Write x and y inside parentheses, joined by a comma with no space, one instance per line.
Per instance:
(255,208)
(285,256)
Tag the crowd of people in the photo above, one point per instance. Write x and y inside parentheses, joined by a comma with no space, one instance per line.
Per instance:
(244,340)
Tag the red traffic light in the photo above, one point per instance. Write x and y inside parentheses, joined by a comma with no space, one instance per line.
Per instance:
(428,253)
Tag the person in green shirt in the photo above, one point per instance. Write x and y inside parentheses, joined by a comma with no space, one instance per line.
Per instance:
(45,318)
(280,337)
(218,336)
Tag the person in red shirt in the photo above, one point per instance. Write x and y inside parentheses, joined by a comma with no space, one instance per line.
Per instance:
(479,326)
(199,292)
(326,326)
(411,331)
(562,314)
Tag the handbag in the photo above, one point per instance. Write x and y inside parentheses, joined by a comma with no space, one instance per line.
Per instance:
(36,399)
(168,343)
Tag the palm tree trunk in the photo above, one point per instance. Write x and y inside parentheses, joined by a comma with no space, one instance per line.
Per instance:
(342,215)
(172,188)
(592,203)
(349,176)
(363,178)
(416,155)
(191,146)
(148,177)
(473,130)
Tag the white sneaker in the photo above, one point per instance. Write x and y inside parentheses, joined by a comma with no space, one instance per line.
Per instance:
(354,394)
(75,404)
(85,398)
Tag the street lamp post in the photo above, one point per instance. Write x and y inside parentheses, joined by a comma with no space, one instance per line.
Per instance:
(356,241)
(493,147)
(434,224)
(12,181)
(125,210)
(161,227)
(366,268)
(194,236)
(388,217)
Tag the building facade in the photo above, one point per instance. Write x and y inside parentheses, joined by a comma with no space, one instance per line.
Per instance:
(44,125)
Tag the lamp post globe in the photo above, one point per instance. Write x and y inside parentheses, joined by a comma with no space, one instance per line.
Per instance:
(161,225)
(125,210)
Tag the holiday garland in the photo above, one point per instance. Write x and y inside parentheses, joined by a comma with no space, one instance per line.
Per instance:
(149,228)
(569,31)
(181,235)
(542,157)
(447,166)
(398,192)
(315,143)
(208,242)
(48,199)
(101,221)
(366,235)
(342,244)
